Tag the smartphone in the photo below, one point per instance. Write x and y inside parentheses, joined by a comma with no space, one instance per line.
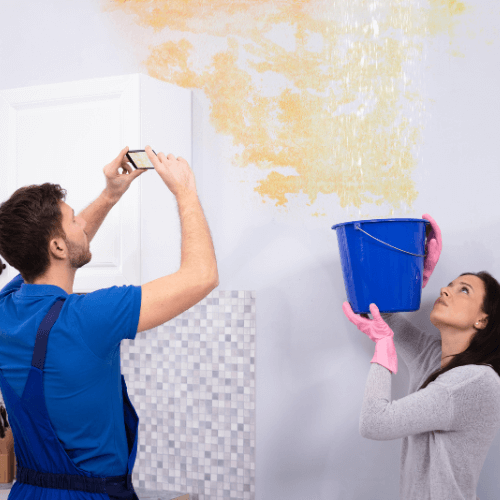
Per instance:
(139,159)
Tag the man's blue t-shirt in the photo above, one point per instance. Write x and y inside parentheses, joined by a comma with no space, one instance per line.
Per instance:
(82,378)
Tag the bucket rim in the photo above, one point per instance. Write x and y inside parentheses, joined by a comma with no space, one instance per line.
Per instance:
(381,220)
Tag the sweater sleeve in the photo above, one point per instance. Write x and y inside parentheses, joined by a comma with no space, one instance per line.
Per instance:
(409,341)
(429,409)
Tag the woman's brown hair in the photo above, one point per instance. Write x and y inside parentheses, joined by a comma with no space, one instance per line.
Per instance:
(484,346)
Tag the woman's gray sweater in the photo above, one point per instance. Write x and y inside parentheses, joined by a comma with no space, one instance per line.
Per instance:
(447,428)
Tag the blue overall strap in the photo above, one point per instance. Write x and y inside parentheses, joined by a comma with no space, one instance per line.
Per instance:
(42,336)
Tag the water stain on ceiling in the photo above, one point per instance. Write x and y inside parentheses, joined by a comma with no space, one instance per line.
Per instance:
(344,112)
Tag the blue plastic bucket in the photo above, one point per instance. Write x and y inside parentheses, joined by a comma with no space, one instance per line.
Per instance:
(382,263)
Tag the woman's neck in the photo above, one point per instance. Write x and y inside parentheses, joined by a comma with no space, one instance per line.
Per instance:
(454,342)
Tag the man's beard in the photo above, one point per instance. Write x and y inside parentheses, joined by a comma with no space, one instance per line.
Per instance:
(79,256)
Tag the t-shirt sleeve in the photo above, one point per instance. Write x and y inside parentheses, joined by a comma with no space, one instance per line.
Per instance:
(409,341)
(430,409)
(107,316)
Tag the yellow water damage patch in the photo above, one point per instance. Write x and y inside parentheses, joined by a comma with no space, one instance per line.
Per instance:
(444,14)
(344,114)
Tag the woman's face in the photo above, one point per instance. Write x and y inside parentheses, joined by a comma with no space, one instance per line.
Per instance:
(459,304)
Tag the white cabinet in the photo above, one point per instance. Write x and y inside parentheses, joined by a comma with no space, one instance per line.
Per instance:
(66,133)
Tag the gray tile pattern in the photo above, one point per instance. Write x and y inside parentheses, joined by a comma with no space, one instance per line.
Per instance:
(192,383)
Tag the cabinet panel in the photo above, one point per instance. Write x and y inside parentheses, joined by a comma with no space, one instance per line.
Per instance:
(66,133)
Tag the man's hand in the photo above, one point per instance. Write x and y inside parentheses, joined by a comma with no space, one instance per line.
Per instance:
(116,183)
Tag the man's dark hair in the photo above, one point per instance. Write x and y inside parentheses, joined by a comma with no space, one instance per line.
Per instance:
(29,220)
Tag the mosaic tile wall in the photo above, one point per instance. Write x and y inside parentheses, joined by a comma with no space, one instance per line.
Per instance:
(192,383)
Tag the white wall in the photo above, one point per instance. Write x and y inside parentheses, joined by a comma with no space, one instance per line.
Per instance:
(312,364)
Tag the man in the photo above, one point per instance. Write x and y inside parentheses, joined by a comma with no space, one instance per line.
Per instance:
(74,426)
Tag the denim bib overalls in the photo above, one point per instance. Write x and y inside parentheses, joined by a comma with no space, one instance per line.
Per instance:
(44,470)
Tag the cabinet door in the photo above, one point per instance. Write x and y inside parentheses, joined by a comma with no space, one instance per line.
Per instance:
(65,134)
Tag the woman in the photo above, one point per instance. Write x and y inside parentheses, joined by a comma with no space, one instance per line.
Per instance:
(452,412)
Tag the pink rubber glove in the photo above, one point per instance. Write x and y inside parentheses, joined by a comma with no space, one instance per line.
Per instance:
(380,332)
(433,248)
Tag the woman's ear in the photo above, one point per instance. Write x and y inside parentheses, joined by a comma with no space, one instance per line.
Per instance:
(483,323)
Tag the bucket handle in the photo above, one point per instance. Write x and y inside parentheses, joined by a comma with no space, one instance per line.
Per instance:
(356,226)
